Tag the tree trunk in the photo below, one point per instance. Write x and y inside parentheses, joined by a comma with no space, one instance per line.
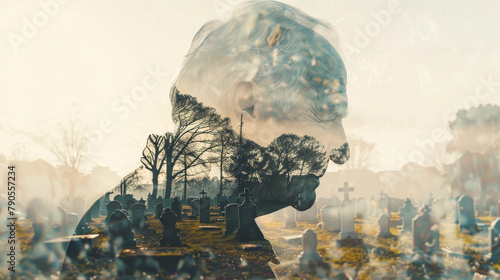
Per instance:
(221,162)
(168,185)
(155,185)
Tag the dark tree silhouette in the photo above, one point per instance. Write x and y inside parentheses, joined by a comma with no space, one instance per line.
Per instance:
(225,141)
(193,138)
(153,158)
(246,165)
(131,182)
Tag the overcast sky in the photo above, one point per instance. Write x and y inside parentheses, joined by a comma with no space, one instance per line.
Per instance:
(410,65)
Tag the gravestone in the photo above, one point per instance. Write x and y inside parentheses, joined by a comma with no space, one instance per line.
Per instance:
(494,240)
(493,211)
(204,207)
(142,201)
(195,207)
(128,200)
(425,232)
(309,258)
(290,220)
(119,198)
(129,204)
(247,227)
(361,208)
(158,210)
(137,214)
(323,201)
(347,232)
(170,237)
(112,207)
(384,222)
(467,217)
(330,218)
(120,231)
(407,213)
(231,218)
(222,206)
(177,208)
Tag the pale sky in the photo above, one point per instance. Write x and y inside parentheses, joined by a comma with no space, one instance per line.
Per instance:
(407,72)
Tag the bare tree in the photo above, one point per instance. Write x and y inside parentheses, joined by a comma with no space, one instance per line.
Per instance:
(225,148)
(153,158)
(193,138)
(131,182)
(70,144)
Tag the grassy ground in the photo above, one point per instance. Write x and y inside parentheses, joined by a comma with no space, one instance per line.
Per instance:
(220,257)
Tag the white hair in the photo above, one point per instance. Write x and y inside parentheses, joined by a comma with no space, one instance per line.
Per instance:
(276,47)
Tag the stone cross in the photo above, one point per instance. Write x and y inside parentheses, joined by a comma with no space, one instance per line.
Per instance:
(346,191)
(203,193)
(248,229)
(347,222)
(407,213)
(382,194)
(246,195)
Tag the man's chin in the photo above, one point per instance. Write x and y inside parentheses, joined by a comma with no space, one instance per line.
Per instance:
(306,204)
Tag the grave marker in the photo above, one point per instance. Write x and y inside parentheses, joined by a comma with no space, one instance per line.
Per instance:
(407,213)
(170,237)
(247,229)
(425,232)
(309,258)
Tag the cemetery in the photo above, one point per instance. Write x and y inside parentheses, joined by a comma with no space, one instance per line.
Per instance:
(341,240)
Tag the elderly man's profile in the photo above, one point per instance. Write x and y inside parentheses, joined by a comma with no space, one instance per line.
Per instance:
(271,76)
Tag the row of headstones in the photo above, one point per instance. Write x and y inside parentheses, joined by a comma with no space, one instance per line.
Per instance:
(425,238)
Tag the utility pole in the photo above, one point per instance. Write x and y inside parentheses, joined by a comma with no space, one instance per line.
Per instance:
(240,150)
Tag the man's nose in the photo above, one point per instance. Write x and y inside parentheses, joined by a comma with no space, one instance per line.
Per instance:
(341,154)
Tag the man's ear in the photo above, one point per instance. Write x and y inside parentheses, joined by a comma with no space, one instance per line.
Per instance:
(247,99)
